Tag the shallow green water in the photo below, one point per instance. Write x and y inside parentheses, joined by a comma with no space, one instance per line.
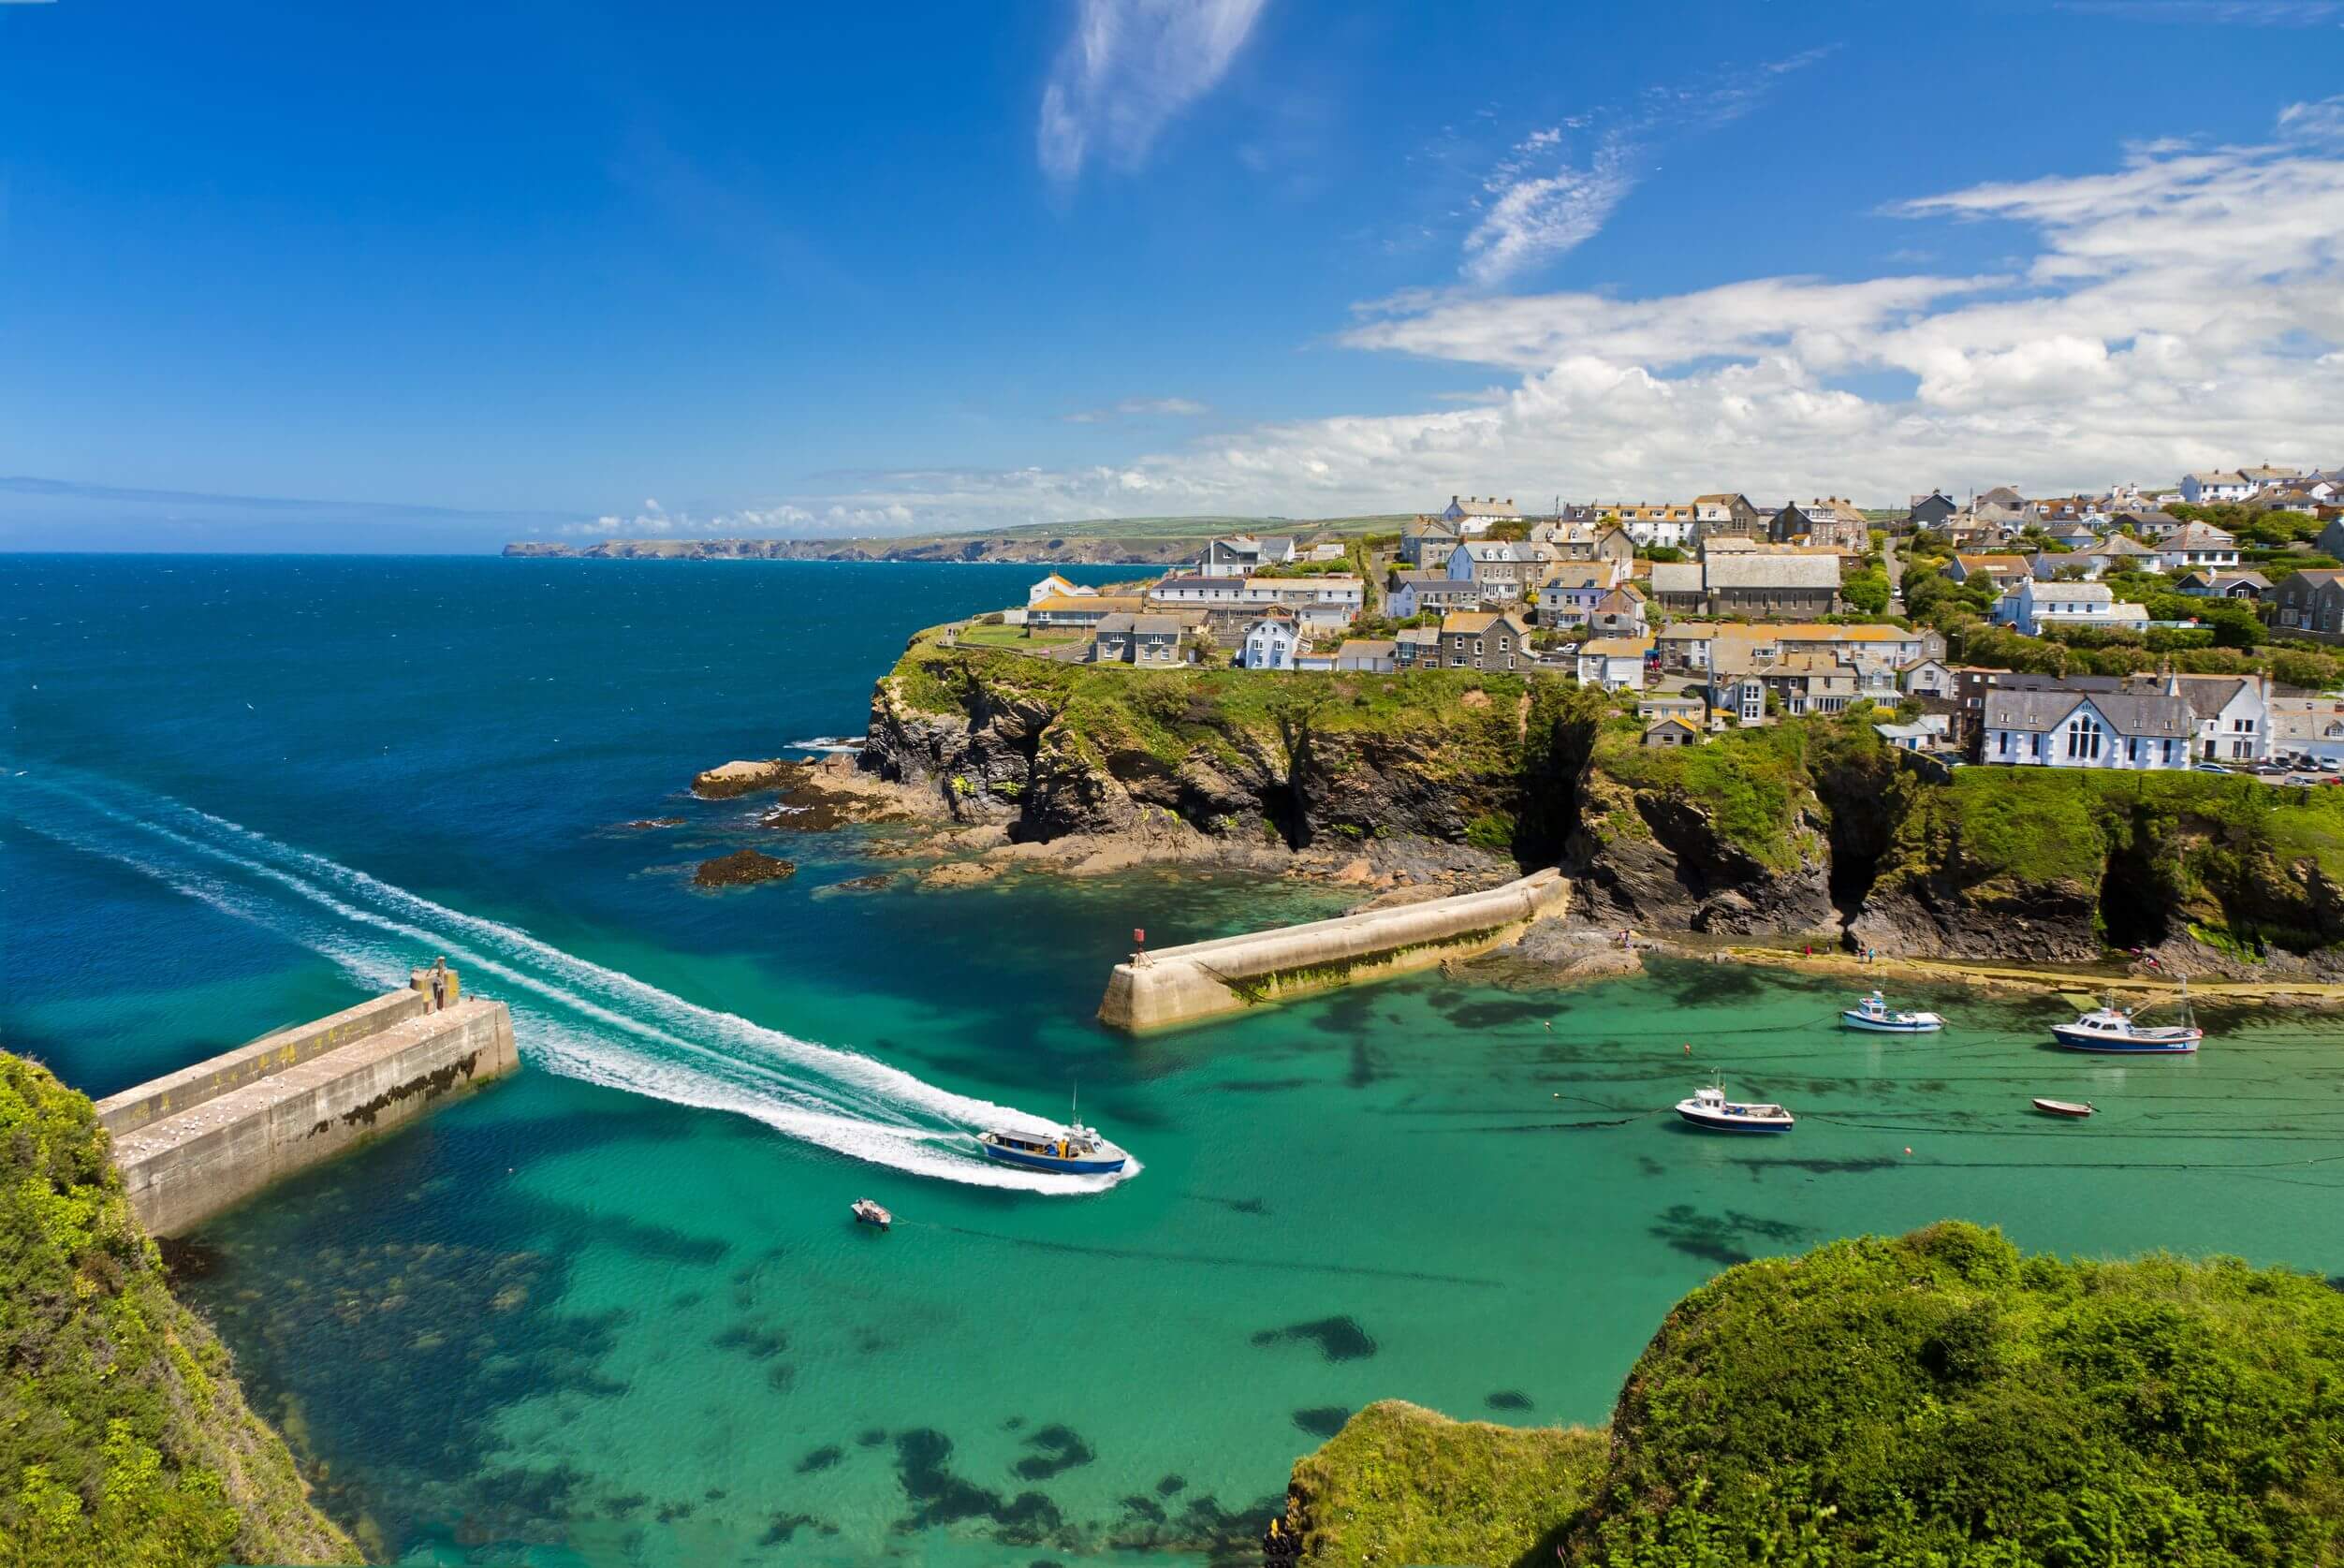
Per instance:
(613,1310)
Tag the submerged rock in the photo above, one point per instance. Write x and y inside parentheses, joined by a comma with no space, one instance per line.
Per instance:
(741,869)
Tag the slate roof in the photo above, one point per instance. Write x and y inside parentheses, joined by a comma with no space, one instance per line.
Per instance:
(2147,715)
(1772,571)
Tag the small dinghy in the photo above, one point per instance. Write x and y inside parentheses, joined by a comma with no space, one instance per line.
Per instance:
(1873,1013)
(1710,1108)
(2077,1109)
(869,1213)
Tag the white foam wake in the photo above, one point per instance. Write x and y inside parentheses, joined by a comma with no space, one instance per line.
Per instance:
(571,1015)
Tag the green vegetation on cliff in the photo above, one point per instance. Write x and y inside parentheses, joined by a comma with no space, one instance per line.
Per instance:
(124,1438)
(1934,1400)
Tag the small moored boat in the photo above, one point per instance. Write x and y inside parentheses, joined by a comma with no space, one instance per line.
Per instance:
(1709,1107)
(1873,1013)
(1074,1150)
(2112,1030)
(869,1213)
(2075,1109)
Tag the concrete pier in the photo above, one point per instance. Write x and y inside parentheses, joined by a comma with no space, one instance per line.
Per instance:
(200,1140)
(1205,979)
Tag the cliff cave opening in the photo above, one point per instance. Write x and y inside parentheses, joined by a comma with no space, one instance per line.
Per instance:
(2136,893)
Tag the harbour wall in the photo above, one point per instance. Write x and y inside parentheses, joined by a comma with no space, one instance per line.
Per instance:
(200,1140)
(1205,979)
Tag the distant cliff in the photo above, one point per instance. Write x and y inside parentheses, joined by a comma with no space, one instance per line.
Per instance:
(123,1437)
(1069,549)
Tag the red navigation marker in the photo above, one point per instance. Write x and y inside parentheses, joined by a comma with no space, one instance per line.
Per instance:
(1138,934)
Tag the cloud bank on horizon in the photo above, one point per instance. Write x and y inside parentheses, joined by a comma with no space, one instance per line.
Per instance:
(2183,310)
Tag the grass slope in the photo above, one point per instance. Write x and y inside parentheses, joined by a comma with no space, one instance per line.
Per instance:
(1934,1400)
(124,1438)
(1401,1484)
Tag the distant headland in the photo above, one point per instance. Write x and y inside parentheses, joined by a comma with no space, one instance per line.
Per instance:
(1103,542)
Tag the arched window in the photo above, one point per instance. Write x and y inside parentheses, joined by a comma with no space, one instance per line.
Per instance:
(2083,737)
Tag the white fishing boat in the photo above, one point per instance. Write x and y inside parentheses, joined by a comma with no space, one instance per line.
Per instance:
(867,1213)
(2074,1109)
(1873,1013)
(2112,1030)
(1073,1150)
(1710,1108)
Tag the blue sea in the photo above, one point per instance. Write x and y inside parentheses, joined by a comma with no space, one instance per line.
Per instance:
(612,1310)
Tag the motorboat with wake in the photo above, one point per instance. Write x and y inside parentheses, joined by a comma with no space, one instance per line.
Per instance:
(1873,1013)
(1073,1150)
(2112,1030)
(1710,1108)
(868,1212)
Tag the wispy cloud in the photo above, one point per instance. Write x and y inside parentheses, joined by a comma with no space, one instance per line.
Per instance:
(2322,121)
(1557,187)
(2235,13)
(1140,409)
(1128,67)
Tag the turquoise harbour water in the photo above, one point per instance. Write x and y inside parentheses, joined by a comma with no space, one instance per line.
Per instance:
(612,1310)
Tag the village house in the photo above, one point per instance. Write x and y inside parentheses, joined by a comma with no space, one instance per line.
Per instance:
(2032,607)
(1324,593)
(1187,590)
(2150,525)
(1368,656)
(2309,601)
(1416,647)
(1648,524)
(1671,732)
(1082,612)
(1486,640)
(1425,544)
(1825,524)
(1688,705)
(2331,540)
(1619,613)
(2205,490)
(1931,510)
(2307,725)
(1927,678)
(1617,663)
(1412,593)
(2194,544)
(2003,569)
(1473,514)
(1270,642)
(1148,641)
(2233,712)
(1928,733)
(1055,587)
(2224,585)
(2307,496)
(1502,569)
(2055,728)
(1571,592)
(1242,555)
(1726,516)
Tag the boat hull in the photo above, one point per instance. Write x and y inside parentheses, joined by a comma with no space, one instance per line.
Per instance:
(2102,1045)
(2069,1109)
(1730,1123)
(1878,1026)
(1100,1166)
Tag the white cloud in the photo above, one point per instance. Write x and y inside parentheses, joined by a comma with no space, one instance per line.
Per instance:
(2238,13)
(1542,199)
(2322,121)
(1128,67)
(1140,409)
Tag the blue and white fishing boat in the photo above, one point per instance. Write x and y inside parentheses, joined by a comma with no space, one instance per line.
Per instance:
(2112,1031)
(1873,1013)
(1710,1108)
(1073,1150)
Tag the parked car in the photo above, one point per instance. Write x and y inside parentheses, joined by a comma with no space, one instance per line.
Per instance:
(2210,767)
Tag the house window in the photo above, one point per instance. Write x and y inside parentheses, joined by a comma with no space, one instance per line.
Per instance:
(2083,738)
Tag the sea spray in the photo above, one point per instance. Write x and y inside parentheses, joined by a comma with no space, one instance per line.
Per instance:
(571,1015)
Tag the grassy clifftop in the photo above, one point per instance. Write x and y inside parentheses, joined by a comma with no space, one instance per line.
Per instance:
(124,1438)
(1937,1399)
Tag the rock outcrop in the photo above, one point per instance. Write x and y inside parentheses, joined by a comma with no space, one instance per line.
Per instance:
(742,868)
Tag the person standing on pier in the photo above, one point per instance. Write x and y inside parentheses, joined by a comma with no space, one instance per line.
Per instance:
(439,983)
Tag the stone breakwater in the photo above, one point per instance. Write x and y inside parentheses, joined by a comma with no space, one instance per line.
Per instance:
(1205,979)
(196,1142)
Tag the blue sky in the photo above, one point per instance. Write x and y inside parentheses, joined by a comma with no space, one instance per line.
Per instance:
(474,271)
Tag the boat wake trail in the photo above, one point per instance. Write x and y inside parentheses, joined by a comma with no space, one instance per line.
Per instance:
(570,1016)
